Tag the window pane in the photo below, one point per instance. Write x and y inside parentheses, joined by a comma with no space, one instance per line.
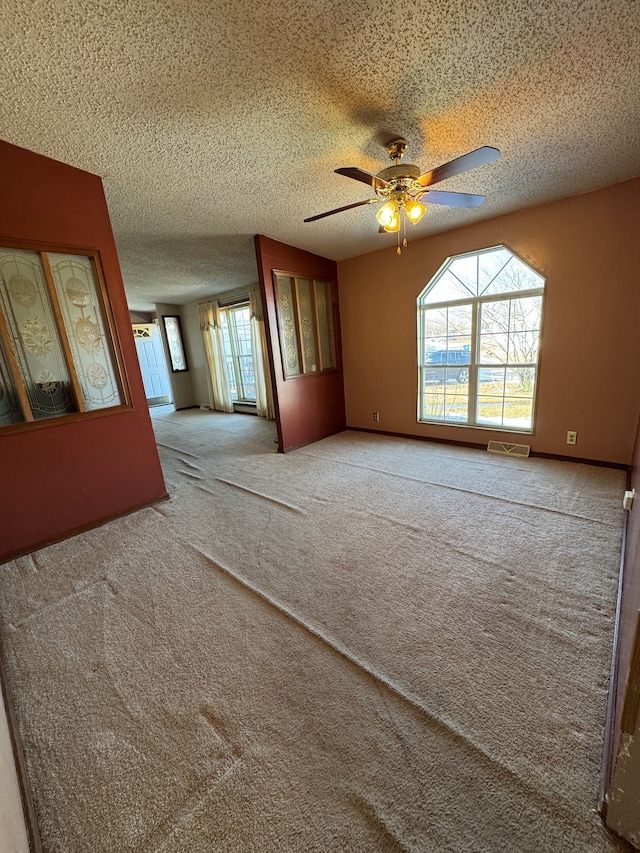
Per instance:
(324,313)
(78,291)
(521,381)
(491,266)
(27,310)
(245,365)
(307,326)
(450,287)
(515,275)
(446,329)
(524,328)
(228,355)
(494,349)
(10,411)
(288,333)
(515,412)
(242,330)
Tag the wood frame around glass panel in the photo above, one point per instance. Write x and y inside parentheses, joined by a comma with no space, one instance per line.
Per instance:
(80,411)
(175,343)
(299,321)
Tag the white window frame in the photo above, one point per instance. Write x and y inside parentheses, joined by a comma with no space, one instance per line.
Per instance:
(476,303)
(228,311)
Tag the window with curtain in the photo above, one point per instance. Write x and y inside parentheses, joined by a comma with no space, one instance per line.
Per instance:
(236,336)
(58,353)
(479,327)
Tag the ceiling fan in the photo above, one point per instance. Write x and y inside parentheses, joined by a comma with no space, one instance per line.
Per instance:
(402,187)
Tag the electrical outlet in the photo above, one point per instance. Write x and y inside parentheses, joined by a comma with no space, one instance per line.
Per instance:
(376,417)
(572,437)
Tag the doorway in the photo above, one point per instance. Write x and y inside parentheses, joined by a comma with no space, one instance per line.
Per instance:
(153,364)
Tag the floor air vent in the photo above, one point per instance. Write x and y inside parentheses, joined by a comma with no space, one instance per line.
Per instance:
(508,449)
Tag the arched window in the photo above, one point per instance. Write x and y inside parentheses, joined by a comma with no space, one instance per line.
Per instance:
(479,322)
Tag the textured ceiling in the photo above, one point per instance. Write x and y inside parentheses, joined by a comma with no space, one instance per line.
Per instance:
(213,120)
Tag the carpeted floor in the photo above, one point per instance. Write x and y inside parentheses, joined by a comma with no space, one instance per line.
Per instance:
(370,644)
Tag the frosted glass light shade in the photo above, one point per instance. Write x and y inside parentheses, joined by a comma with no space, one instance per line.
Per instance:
(394,225)
(415,210)
(386,214)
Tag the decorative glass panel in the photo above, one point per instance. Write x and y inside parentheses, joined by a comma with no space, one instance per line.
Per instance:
(174,344)
(10,411)
(307,325)
(32,328)
(78,295)
(305,319)
(324,313)
(288,333)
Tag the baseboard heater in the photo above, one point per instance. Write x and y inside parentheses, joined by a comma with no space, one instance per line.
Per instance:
(508,449)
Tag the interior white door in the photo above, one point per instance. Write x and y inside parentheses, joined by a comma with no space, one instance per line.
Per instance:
(153,365)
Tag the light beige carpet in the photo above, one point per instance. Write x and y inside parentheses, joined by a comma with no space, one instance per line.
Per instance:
(368,644)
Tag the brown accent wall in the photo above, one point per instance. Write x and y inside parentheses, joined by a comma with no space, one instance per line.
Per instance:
(587,247)
(77,473)
(307,407)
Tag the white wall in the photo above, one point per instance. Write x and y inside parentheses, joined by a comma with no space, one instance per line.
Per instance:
(195,353)
(181,383)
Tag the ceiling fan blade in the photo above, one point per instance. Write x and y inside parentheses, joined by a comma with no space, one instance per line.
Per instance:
(364,177)
(340,209)
(452,199)
(479,157)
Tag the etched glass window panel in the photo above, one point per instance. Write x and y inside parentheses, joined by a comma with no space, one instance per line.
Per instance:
(324,313)
(287,322)
(174,343)
(80,304)
(30,320)
(306,311)
(10,411)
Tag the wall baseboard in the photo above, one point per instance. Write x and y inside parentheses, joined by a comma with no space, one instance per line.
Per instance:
(13,555)
(602,463)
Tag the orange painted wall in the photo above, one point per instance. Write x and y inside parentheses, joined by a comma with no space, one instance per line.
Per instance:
(79,472)
(588,249)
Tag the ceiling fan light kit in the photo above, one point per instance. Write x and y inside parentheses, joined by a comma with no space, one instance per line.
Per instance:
(401,187)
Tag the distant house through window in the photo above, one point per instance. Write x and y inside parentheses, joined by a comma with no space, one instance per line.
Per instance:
(236,335)
(479,322)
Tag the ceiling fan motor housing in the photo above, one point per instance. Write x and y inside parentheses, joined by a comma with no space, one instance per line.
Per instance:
(400,172)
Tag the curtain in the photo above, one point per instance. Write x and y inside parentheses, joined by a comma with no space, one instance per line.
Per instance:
(264,391)
(218,385)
